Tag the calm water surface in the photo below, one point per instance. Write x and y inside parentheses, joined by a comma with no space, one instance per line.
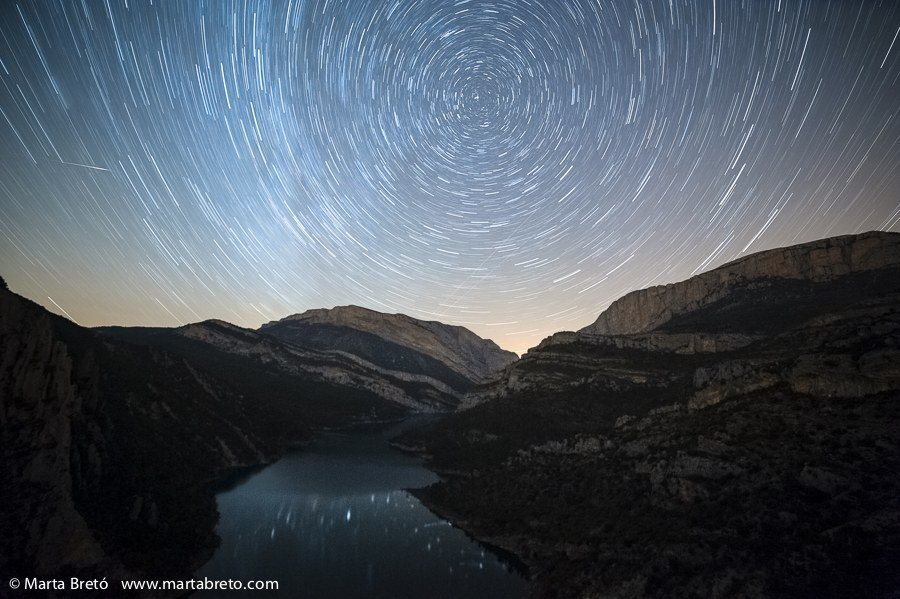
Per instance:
(334,521)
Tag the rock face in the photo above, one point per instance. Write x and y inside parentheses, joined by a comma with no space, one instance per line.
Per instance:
(395,365)
(452,354)
(819,261)
(737,434)
(46,402)
(801,293)
(108,441)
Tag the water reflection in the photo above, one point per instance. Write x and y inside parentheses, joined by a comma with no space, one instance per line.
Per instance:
(333,521)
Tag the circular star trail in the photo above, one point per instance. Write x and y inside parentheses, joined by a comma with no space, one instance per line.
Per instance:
(512,166)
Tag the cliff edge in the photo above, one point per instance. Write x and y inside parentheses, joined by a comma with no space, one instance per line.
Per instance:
(818,261)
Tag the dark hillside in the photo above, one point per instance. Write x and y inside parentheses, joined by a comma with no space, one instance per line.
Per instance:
(746,445)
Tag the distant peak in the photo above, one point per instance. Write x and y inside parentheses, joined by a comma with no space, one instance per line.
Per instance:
(314,313)
(211,322)
(455,346)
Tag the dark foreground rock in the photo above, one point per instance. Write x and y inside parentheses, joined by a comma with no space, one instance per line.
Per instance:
(107,446)
(744,443)
(766,495)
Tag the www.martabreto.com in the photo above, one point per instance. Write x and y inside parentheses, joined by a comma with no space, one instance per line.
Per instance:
(201,584)
(198,584)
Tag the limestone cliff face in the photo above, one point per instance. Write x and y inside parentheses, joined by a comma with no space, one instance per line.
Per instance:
(824,260)
(456,348)
(42,407)
(417,392)
(795,300)
(105,449)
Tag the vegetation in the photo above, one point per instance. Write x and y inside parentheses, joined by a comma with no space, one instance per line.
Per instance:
(772,494)
(596,468)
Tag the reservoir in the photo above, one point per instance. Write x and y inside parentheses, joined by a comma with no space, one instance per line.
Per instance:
(333,520)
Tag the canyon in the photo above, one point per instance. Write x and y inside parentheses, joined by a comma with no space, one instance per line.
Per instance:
(734,434)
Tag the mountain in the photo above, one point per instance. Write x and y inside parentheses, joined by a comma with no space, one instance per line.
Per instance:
(417,365)
(229,349)
(451,354)
(808,264)
(107,445)
(109,437)
(735,434)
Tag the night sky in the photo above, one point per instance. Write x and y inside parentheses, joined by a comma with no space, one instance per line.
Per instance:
(512,166)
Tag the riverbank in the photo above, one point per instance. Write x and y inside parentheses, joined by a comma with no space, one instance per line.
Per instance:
(506,548)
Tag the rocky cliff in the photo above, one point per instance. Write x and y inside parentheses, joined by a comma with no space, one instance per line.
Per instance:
(413,391)
(107,445)
(819,261)
(452,354)
(48,415)
(796,292)
(736,434)
(253,349)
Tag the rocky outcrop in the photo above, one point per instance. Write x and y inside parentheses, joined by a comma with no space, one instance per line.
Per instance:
(819,261)
(107,446)
(42,405)
(380,338)
(679,343)
(767,494)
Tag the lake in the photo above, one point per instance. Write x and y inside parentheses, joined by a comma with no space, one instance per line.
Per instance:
(333,520)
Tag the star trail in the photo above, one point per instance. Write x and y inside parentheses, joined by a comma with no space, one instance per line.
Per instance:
(512,166)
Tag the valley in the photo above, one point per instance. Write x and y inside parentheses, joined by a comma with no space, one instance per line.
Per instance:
(732,435)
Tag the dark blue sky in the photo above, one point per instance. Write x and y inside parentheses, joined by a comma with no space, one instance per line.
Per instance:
(511,166)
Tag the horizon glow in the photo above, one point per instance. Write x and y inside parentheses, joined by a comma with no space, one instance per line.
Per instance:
(511,166)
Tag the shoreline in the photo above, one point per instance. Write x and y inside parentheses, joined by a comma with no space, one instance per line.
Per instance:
(503,547)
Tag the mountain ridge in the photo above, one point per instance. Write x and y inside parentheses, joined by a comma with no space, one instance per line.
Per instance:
(741,443)
(644,310)
(632,460)
(110,435)
(458,348)
(421,365)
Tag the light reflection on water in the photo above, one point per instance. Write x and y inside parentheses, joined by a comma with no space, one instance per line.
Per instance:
(333,521)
